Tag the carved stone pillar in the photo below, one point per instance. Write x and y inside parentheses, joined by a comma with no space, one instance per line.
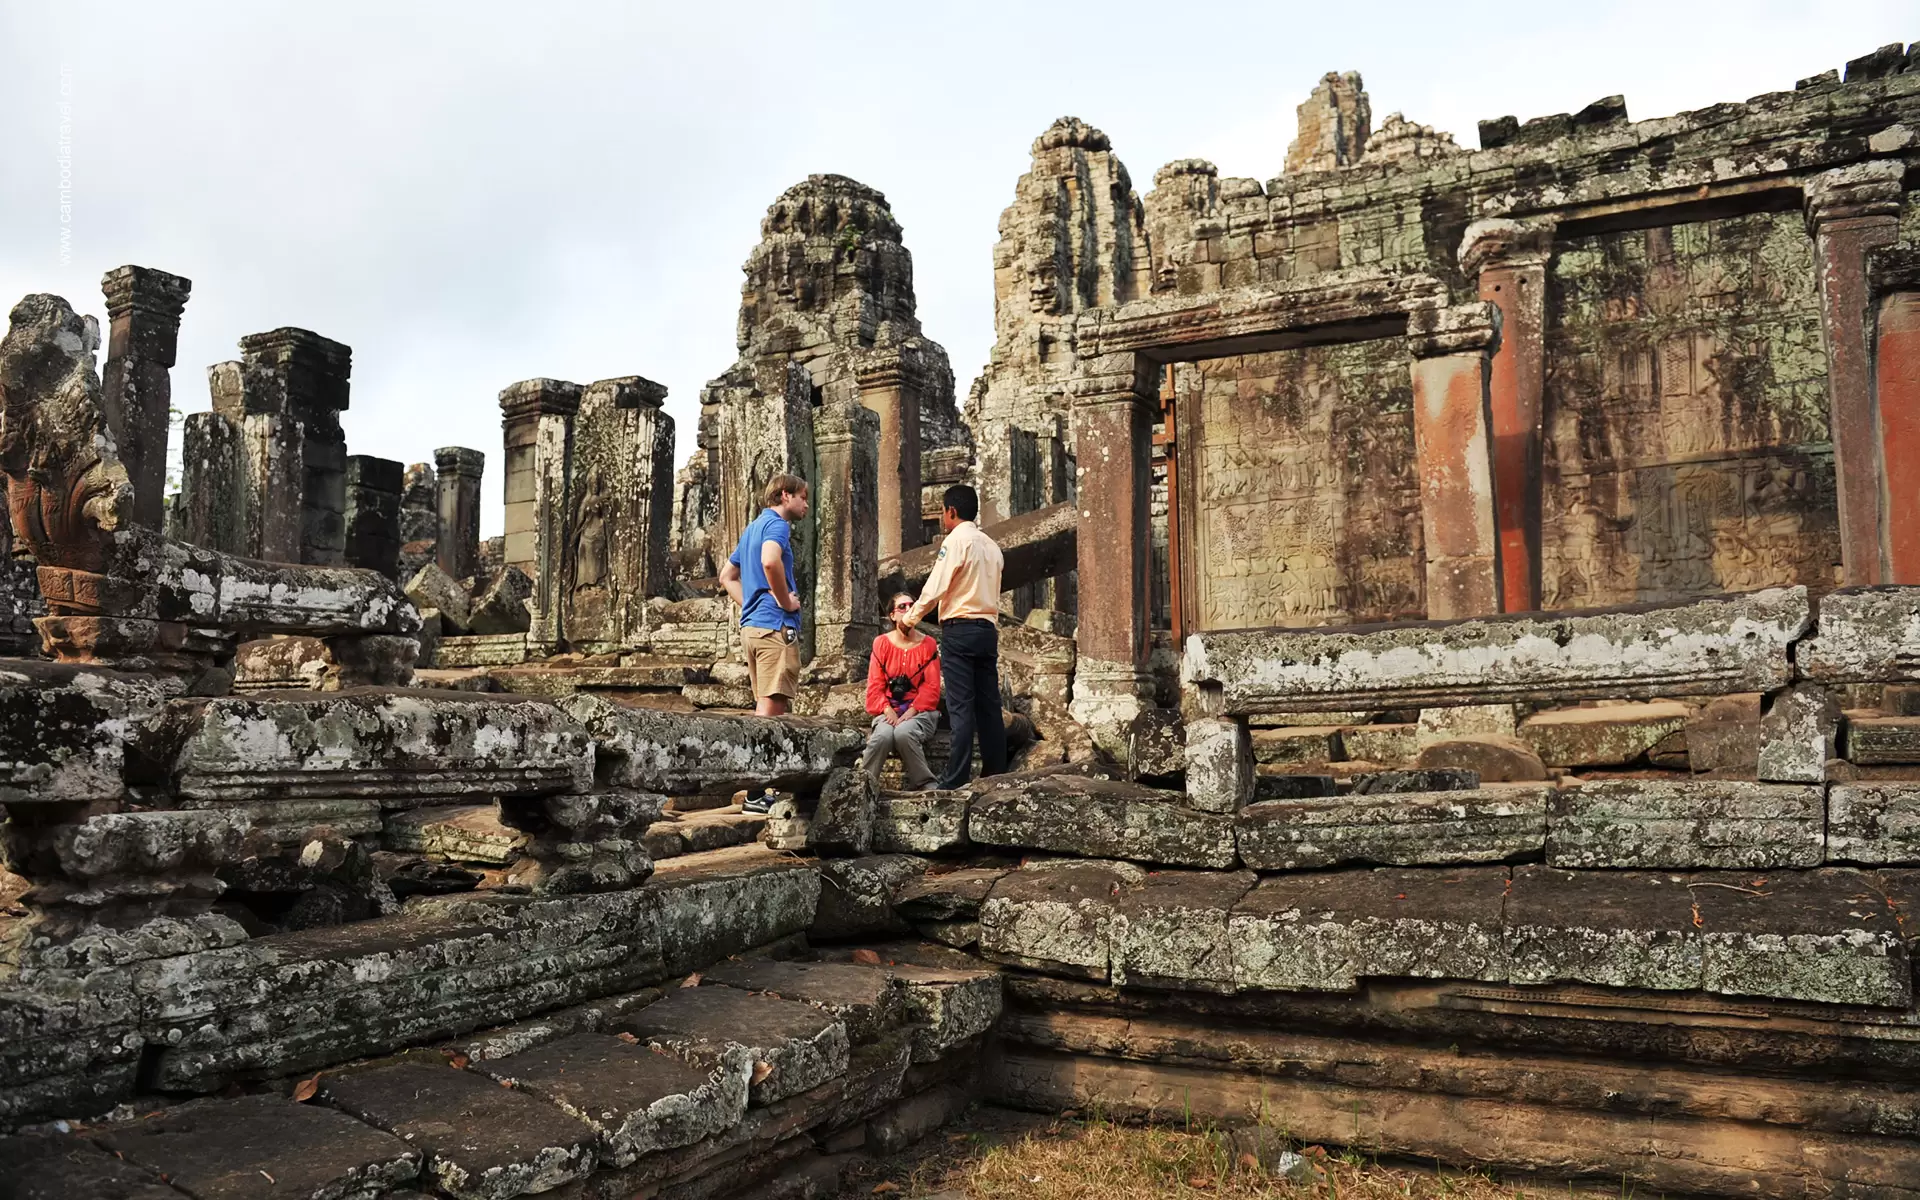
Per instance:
(457,496)
(1850,211)
(1114,402)
(890,387)
(848,499)
(213,496)
(143,315)
(537,421)
(373,513)
(1509,261)
(298,484)
(622,502)
(1452,349)
(1893,274)
(762,431)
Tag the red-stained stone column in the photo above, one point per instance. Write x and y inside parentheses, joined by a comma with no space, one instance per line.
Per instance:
(1509,260)
(1452,349)
(143,316)
(1894,275)
(1114,400)
(1850,211)
(890,387)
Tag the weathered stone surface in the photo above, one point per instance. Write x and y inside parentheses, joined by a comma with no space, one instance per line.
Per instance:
(856,896)
(1493,757)
(947,895)
(640,1099)
(372,743)
(1799,734)
(948,1006)
(1874,823)
(1219,764)
(1171,931)
(221,1147)
(293,822)
(1611,735)
(1424,779)
(843,820)
(1325,932)
(1874,740)
(1057,917)
(502,607)
(1651,823)
(680,753)
(50,1167)
(284,663)
(463,832)
(433,588)
(1292,787)
(480,1141)
(802,1046)
(498,650)
(926,822)
(1863,635)
(1386,744)
(1724,737)
(65,730)
(1704,647)
(1297,745)
(864,998)
(1395,829)
(1102,818)
(728,901)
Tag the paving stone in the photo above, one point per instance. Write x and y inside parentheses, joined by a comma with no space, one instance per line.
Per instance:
(1609,735)
(1875,740)
(465,833)
(929,822)
(264,1147)
(1395,829)
(1171,931)
(1874,823)
(1653,823)
(856,896)
(639,1099)
(1495,758)
(1326,932)
(592,1017)
(1057,917)
(864,998)
(1101,818)
(801,1046)
(59,1167)
(480,1141)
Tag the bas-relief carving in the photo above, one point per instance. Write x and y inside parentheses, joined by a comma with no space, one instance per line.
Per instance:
(1306,503)
(1685,412)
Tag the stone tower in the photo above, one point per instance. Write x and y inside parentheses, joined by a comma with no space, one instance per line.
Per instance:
(1335,122)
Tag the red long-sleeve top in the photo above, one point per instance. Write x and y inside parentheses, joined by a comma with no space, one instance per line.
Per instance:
(921,663)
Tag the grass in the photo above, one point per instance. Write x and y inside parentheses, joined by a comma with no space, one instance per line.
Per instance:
(1001,1156)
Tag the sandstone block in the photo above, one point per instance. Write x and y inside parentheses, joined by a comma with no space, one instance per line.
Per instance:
(203,1146)
(1297,745)
(1798,735)
(949,1006)
(1100,818)
(1495,758)
(1219,764)
(502,607)
(1863,635)
(856,896)
(56,1167)
(1652,823)
(1423,779)
(1883,740)
(929,822)
(843,820)
(684,753)
(1874,823)
(864,998)
(710,911)
(463,832)
(1292,787)
(1729,644)
(947,896)
(1611,735)
(801,1046)
(145,843)
(1171,931)
(1057,917)
(1384,744)
(1724,736)
(1395,829)
(433,588)
(68,730)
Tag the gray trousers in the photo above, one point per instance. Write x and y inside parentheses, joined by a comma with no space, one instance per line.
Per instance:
(908,739)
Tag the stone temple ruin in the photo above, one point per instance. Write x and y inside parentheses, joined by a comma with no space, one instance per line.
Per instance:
(1463,625)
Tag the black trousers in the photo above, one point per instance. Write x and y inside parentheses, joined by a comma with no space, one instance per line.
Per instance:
(970,680)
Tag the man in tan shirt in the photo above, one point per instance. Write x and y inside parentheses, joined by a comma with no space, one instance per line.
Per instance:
(965,584)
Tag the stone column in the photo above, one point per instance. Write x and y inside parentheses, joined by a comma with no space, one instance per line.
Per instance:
(1893,276)
(1851,211)
(537,422)
(1452,349)
(1115,398)
(622,505)
(457,496)
(143,315)
(890,387)
(419,505)
(1509,261)
(213,495)
(847,502)
(762,431)
(299,458)
(373,513)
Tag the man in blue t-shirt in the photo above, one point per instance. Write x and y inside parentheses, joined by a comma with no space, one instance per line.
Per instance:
(759,577)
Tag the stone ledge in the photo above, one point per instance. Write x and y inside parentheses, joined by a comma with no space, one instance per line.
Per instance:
(1394,829)
(1710,824)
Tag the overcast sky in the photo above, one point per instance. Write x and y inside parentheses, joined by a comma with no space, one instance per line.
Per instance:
(471,194)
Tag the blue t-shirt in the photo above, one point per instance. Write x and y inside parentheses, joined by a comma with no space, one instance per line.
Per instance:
(761,610)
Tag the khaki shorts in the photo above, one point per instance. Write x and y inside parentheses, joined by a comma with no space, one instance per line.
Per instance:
(773,663)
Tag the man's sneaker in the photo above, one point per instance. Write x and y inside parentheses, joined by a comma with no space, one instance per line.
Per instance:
(760,804)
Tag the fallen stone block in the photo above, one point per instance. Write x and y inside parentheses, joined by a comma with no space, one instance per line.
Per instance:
(215,1147)
(295,822)
(502,607)
(1704,647)
(1057,917)
(856,896)
(1883,740)
(142,843)
(1102,818)
(1326,932)
(1863,635)
(1297,745)
(463,832)
(480,1141)
(927,822)
(1611,735)
(1799,734)
(495,650)
(843,818)
(1653,824)
(682,753)
(639,1099)
(1874,823)
(949,1006)
(1724,737)
(948,895)
(864,998)
(433,588)
(1292,787)
(1494,758)
(1219,759)
(794,1047)
(67,730)
(1171,931)
(1394,829)
(379,744)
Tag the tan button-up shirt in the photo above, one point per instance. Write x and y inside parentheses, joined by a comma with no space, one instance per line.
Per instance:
(965,581)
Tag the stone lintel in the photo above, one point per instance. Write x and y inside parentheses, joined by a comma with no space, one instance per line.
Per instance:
(1866,189)
(1455,329)
(1503,242)
(537,397)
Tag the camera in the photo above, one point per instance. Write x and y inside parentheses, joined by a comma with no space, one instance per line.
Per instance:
(899,687)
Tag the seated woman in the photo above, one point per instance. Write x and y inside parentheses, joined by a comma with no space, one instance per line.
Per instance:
(903,694)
